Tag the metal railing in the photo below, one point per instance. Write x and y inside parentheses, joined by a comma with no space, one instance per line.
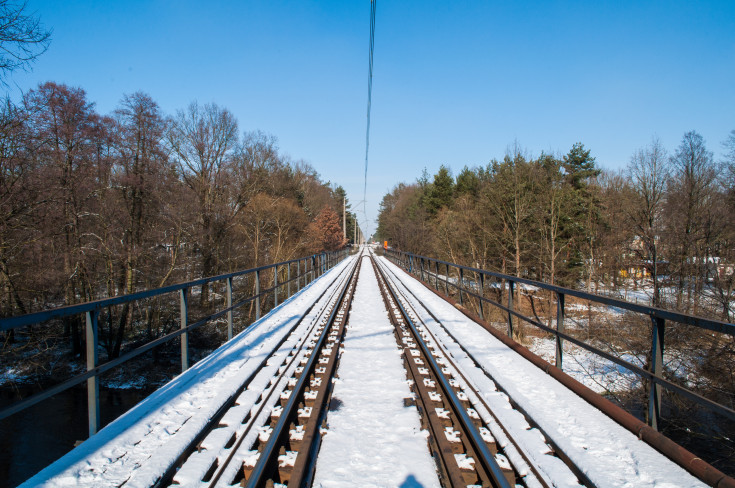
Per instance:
(307,269)
(428,269)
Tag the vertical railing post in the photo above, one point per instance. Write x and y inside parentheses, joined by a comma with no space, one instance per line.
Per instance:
(446,279)
(229,306)
(461,279)
(257,294)
(298,274)
(410,264)
(313,271)
(559,328)
(510,308)
(657,360)
(482,295)
(436,275)
(275,286)
(184,319)
(421,267)
(93,383)
(288,279)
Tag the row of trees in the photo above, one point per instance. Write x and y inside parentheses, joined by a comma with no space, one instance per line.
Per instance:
(96,205)
(668,218)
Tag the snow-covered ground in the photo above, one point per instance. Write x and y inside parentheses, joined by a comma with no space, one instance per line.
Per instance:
(593,371)
(373,440)
(606,452)
(136,448)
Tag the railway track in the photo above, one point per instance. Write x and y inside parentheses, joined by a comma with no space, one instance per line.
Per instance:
(471,445)
(268,431)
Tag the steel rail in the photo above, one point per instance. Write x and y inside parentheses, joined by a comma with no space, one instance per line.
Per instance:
(486,457)
(168,475)
(308,338)
(557,450)
(304,468)
(441,446)
(259,475)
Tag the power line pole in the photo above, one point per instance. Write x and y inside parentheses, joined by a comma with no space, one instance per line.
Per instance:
(344,217)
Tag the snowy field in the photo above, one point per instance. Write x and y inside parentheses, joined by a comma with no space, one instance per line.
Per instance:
(595,372)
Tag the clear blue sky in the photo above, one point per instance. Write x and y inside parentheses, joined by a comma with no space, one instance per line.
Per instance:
(455,82)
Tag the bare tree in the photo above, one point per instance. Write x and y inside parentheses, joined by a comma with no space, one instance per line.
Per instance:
(729,164)
(134,203)
(691,191)
(511,197)
(616,233)
(648,172)
(18,202)
(202,139)
(22,37)
(554,207)
(66,130)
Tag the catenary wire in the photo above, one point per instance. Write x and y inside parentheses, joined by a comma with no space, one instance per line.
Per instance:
(369,102)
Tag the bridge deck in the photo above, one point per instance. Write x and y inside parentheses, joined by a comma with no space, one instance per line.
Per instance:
(136,448)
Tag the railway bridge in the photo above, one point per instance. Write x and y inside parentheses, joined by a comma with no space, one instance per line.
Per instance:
(367,370)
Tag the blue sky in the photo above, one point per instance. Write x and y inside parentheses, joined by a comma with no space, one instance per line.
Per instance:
(455,82)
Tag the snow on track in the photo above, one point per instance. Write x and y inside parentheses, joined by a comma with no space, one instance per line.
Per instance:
(372,440)
(606,452)
(137,447)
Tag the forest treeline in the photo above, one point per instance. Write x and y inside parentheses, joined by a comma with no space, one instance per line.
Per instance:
(667,221)
(95,205)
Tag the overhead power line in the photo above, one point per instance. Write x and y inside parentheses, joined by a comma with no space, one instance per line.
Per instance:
(369,101)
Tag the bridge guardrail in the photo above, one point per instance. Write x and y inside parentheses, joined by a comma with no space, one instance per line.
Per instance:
(421,267)
(313,267)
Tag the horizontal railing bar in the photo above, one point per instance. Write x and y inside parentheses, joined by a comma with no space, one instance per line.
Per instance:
(709,324)
(102,368)
(69,310)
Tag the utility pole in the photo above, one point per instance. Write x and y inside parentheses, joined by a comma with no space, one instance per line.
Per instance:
(344,217)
